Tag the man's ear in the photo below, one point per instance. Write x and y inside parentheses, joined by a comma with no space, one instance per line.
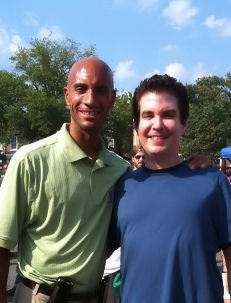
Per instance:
(66,94)
(184,126)
(134,126)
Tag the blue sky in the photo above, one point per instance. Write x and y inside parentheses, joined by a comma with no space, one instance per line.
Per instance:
(186,39)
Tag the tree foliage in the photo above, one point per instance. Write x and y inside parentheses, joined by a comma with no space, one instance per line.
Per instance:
(119,125)
(31,99)
(12,89)
(209,127)
(32,104)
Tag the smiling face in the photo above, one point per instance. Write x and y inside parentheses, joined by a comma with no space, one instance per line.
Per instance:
(90,95)
(160,128)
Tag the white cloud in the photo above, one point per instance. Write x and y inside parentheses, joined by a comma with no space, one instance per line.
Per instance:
(124,70)
(199,71)
(149,74)
(180,13)
(182,73)
(169,48)
(222,24)
(145,4)
(4,37)
(16,41)
(30,20)
(9,43)
(54,33)
(176,70)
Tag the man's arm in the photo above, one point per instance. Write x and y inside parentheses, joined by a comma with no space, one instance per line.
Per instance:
(199,161)
(227,255)
(4,265)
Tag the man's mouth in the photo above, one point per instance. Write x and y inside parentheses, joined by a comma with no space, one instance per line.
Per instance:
(157,137)
(89,112)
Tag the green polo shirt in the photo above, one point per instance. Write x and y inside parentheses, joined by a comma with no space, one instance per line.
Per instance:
(56,204)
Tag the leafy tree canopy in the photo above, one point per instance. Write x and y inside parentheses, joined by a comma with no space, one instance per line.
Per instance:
(46,63)
(119,125)
(31,99)
(209,127)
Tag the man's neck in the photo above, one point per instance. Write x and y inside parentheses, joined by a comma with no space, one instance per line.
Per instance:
(158,162)
(89,143)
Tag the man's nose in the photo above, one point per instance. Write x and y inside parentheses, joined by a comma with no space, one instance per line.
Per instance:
(157,123)
(89,97)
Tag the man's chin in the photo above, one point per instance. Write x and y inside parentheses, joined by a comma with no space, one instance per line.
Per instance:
(155,151)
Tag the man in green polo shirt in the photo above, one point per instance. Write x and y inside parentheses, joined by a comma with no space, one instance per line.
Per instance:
(56,197)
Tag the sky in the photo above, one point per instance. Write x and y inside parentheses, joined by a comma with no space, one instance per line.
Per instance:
(137,38)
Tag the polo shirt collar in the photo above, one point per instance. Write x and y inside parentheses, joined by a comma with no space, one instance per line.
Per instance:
(74,153)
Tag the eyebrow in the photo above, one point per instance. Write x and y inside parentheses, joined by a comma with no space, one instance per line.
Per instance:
(79,84)
(165,111)
(170,111)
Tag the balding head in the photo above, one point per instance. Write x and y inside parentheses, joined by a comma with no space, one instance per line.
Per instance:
(92,63)
(90,95)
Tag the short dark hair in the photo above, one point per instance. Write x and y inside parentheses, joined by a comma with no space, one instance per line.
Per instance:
(161,83)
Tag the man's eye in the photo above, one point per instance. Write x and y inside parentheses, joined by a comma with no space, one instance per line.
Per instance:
(146,115)
(80,89)
(101,89)
(170,114)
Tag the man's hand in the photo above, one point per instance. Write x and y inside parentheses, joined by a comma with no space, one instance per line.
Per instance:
(199,161)
(4,265)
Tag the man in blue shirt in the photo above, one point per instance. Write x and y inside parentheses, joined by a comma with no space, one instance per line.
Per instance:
(170,220)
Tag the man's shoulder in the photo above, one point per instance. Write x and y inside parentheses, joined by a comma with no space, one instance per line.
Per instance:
(210,172)
(36,148)
(130,177)
(117,161)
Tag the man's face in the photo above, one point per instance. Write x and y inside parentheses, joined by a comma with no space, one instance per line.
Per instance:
(90,95)
(160,128)
(138,159)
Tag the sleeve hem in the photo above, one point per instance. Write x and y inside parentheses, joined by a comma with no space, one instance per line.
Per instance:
(8,244)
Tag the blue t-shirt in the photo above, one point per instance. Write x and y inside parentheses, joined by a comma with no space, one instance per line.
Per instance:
(170,224)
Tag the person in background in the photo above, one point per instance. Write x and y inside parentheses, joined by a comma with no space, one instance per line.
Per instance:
(228,172)
(137,157)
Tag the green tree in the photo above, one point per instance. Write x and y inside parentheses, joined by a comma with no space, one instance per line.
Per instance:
(35,107)
(119,125)
(12,89)
(210,111)
(46,63)
(36,116)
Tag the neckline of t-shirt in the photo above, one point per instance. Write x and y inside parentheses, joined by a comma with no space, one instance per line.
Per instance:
(164,170)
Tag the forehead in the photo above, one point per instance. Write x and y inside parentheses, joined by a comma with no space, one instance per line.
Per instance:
(152,100)
(139,153)
(91,72)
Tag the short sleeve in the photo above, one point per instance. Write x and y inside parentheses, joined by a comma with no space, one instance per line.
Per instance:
(12,204)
